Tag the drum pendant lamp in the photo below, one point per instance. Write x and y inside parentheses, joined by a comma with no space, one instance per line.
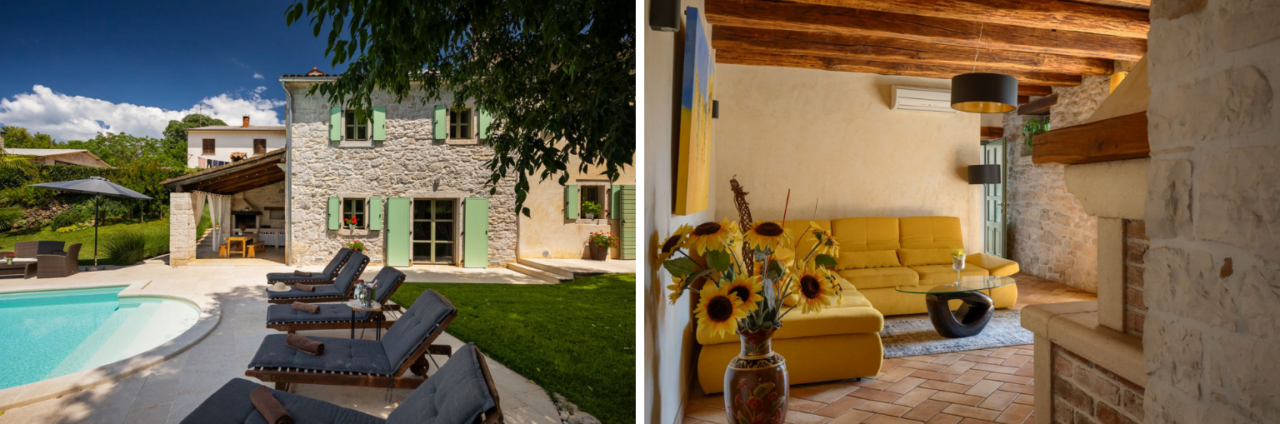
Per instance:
(981,92)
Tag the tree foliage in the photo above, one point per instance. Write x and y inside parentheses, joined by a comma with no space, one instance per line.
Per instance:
(122,149)
(19,138)
(557,75)
(175,136)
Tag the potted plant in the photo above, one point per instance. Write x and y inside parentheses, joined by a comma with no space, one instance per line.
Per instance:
(356,245)
(600,242)
(8,258)
(590,209)
(351,222)
(749,300)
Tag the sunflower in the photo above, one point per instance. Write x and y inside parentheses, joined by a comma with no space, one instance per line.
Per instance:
(676,288)
(713,236)
(827,244)
(767,236)
(747,289)
(719,310)
(673,243)
(815,286)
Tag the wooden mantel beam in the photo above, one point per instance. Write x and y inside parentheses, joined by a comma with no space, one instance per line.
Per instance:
(807,17)
(992,133)
(1059,15)
(760,58)
(1034,90)
(1119,138)
(1038,106)
(866,47)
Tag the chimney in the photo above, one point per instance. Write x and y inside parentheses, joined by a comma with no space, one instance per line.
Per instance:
(246,120)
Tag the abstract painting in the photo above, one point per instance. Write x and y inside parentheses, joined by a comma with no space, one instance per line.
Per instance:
(694,158)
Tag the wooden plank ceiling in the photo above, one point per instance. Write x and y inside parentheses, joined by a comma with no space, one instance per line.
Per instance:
(1043,43)
(233,178)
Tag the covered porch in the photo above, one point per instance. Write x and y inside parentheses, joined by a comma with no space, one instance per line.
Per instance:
(245,203)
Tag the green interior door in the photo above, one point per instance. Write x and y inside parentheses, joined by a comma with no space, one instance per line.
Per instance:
(475,233)
(627,204)
(994,239)
(399,231)
(434,222)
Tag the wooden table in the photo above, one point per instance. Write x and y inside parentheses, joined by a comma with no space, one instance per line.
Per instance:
(375,308)
(244,240)
(24,267)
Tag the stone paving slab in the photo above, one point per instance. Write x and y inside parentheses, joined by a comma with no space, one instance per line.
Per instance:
(169,391)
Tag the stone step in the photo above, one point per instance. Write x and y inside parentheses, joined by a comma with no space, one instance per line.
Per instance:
(534,272)
(563,274)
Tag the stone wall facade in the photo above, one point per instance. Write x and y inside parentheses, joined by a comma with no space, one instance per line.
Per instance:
(410,163)
(1135,247)
(182,229)
(1212,275)
(1084,393)
(268,196)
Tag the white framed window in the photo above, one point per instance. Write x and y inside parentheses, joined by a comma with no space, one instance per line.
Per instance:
(461,124)
(352,128)
(354,208)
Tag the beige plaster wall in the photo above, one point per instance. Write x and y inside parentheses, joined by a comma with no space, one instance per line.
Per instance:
(546,233)
(668,340)
(831,138)
(1212,277)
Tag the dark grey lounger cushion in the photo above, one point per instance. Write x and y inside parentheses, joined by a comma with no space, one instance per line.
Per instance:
(325,276)
(338,289)
(388,278)
(231,405)
(328,290)
(340,354)
(414,326)
(457,393)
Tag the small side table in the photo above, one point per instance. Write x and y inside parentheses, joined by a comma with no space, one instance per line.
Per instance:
(375,308)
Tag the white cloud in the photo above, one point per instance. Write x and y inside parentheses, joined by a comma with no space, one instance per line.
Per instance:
(68,117)
(258,76)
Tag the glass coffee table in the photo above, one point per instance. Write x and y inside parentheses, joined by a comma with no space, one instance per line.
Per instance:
(973,314)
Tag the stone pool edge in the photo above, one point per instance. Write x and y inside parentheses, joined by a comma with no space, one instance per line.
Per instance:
(210,316)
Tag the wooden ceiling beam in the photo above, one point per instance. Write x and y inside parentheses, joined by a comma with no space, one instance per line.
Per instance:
(1038,106)
(992,133)
(238,175)
(1034,90)
(807,17)
(1059,15)
(1119,138)
(865,47)
(755,58)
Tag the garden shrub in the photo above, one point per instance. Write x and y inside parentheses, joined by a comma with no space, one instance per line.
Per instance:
(126,248)
(10,216)
(74,215)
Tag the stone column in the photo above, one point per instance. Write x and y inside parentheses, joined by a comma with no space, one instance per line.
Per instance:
(182,229)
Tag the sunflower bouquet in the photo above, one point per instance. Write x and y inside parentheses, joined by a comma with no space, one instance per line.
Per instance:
(736,297)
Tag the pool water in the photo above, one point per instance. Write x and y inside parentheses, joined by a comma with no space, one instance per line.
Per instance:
(53,333)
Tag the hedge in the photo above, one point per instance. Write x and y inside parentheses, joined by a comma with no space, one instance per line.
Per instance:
(15,187)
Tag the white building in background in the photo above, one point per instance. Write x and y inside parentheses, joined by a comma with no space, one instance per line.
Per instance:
(212,146)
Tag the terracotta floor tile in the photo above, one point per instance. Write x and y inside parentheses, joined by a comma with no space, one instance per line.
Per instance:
(948,358)
(1016,361)
(709,414)
(926,410)
(1015,414)
(975,421)
(1004,352)
(1028,370)
(924,366)
(999,400)
(833,393)
(838,407)
(890,364)
(796,417)
(945,419)
(1018,388)
(885,419)
(970,377)
(1025,400)
(983,359)
(971,412)
(873,384)
(802,405)
(876,395)
(983,388)
(914,397)
(1007,378)
(959,367)
(895,374)
(995,368)
(950,387)
(851,416)
(933,375)
(904,385)
(957,398)
(883,408)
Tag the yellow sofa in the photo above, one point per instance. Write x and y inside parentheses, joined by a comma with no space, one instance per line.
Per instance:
(844,342)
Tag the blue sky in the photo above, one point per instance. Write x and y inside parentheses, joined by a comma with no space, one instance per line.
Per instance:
(72,67)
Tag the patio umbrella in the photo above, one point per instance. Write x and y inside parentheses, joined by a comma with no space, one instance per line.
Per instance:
(98,187)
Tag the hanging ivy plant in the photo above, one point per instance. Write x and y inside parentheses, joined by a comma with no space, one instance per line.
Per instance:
(1032,127)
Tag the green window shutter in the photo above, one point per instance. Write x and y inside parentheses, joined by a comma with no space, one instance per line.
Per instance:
(335,124)
(485,120)
(571,202)
(627,240)
(375,213)
(475,233)
(441,124)
(335,214)
(615,200)
(379,123)
(399,225)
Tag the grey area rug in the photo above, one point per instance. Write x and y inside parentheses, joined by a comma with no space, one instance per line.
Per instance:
(913,335)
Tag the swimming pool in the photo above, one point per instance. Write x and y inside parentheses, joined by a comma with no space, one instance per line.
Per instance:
(53,333)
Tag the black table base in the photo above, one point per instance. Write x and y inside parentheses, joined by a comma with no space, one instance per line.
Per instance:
(968,320)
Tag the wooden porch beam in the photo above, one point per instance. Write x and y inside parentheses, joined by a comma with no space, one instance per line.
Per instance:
(1119,138)
(866,47)
(1038,106)
(940,30)
(759,58)
(1059,15)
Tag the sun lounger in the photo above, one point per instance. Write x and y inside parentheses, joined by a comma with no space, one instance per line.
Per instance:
(357,362)
(323,277)
(340,290)
(335,316)
(461,392)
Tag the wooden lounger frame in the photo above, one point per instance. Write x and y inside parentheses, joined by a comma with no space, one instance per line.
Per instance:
(336,271)
(293,327)
(351,288)
(493,415)
(283,377)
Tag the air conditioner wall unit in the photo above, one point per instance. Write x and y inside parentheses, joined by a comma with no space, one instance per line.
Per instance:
(922,99)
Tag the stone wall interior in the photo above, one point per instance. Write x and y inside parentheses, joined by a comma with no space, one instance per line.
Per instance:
(1086,394)
(1135,246)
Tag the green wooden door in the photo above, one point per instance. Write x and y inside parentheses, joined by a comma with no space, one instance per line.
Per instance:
(994,240)
(627,205)
(399,225)
(475,233)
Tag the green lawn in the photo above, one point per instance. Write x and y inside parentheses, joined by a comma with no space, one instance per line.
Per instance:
(156,230)
(577,338)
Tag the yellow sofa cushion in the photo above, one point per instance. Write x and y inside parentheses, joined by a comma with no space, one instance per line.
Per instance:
(864,234)
(914,257)
(854,315)
(871,278)
(943,274)
(867,259)
(931,232)
(996,265)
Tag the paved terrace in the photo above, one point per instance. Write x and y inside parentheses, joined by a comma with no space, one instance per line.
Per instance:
(167,392)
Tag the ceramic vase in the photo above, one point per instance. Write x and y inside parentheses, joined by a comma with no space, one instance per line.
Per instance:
(755,385)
